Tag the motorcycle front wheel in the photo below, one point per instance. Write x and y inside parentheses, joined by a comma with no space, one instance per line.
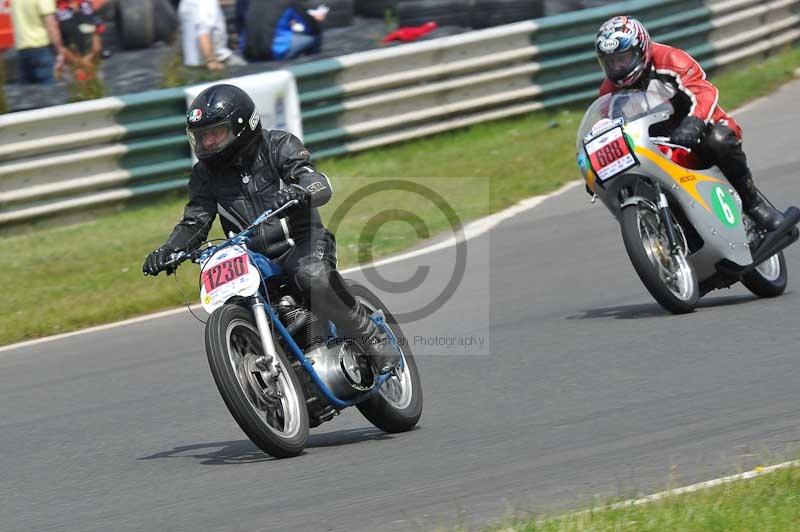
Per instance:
(668,277)
(264,397)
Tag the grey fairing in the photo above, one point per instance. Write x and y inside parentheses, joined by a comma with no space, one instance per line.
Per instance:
(720,241)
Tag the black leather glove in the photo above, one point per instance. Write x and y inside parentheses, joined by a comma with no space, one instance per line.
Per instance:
(690,132)
(157,260)
(293,192)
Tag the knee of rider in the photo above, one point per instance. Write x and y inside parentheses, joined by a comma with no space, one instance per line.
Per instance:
(313,277)
(323,285)
(721,140)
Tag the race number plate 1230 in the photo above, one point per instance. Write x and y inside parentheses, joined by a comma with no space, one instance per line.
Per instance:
(225,272)
(609,154)
(228,273)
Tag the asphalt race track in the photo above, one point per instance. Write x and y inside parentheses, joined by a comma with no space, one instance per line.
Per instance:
(583,388)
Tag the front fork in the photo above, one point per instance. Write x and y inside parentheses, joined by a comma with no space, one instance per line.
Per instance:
(666,217)
(266,363)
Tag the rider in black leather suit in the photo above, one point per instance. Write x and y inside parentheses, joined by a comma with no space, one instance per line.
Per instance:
(243,171)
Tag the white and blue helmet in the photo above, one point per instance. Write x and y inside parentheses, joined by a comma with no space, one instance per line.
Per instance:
(624,49)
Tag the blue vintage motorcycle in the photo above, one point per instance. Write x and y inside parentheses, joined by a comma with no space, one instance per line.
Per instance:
(281,369)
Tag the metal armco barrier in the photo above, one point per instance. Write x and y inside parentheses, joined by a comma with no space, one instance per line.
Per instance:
(79,155)
(375,98)
(91,153)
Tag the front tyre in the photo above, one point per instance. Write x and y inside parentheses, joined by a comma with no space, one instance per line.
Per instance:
(266,401)
(668,277)
(770,278)
(397,406)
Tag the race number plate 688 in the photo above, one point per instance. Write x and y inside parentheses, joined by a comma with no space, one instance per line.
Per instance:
(609,154)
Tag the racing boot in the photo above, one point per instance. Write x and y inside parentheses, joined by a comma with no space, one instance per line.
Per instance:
(375,343)
(384,355)
(329,296)
(764,215)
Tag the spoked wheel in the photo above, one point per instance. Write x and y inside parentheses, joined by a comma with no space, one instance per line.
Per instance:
(668,276)
(398,404)
(263,396)
(770,278)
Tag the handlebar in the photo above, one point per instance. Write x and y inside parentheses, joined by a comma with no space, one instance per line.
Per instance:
(667,141)
(198,255)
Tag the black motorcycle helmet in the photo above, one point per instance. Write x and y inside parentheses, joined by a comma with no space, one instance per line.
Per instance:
(221,122)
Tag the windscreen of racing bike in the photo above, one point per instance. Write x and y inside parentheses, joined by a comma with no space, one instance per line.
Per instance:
(621,107)
(601,129)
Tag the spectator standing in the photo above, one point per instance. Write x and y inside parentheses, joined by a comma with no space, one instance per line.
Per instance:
(205,36)
(80,33)
(38,40)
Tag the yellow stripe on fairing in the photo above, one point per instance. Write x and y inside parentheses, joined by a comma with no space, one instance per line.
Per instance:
(676,172)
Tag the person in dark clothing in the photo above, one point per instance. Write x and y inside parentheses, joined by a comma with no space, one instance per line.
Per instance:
(280,30)
(243,171)
(80,31)
(298,32)
(630,60)
(240,23)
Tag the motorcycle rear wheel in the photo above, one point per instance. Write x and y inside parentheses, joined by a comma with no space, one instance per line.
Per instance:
(668,277)
(277,425)
(770,278)
(397,406)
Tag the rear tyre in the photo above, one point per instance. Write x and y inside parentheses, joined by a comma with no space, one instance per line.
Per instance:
(669,278)
(770,278)
(375,8)
(135,23)
(397,406)
(443,12)
(490,13)
(276,423)
(165,22)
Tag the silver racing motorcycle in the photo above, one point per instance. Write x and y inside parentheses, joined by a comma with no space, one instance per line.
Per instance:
(683,229)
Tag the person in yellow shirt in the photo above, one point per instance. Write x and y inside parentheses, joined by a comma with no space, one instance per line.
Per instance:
(38,40)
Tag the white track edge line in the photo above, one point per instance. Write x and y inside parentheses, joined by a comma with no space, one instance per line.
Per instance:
(471,230)
(758,471)
(655,497)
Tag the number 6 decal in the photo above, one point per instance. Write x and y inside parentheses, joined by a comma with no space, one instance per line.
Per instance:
(724,207)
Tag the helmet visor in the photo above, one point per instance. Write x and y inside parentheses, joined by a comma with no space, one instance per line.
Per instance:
(210,140)
(619,65)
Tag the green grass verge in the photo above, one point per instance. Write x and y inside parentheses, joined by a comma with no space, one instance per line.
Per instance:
(80,275)
(767,503)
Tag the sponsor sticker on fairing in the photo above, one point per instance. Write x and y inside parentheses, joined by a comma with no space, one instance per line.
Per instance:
(603,125)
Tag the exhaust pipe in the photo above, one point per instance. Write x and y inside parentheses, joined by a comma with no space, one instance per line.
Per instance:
(779,239)
(784,236)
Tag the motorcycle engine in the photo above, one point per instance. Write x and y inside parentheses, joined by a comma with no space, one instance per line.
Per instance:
(337,362)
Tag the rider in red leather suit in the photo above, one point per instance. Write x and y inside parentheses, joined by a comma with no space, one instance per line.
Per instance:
(631,60)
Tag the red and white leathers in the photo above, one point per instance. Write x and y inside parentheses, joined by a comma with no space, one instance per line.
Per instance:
(721,145)
(695,95)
